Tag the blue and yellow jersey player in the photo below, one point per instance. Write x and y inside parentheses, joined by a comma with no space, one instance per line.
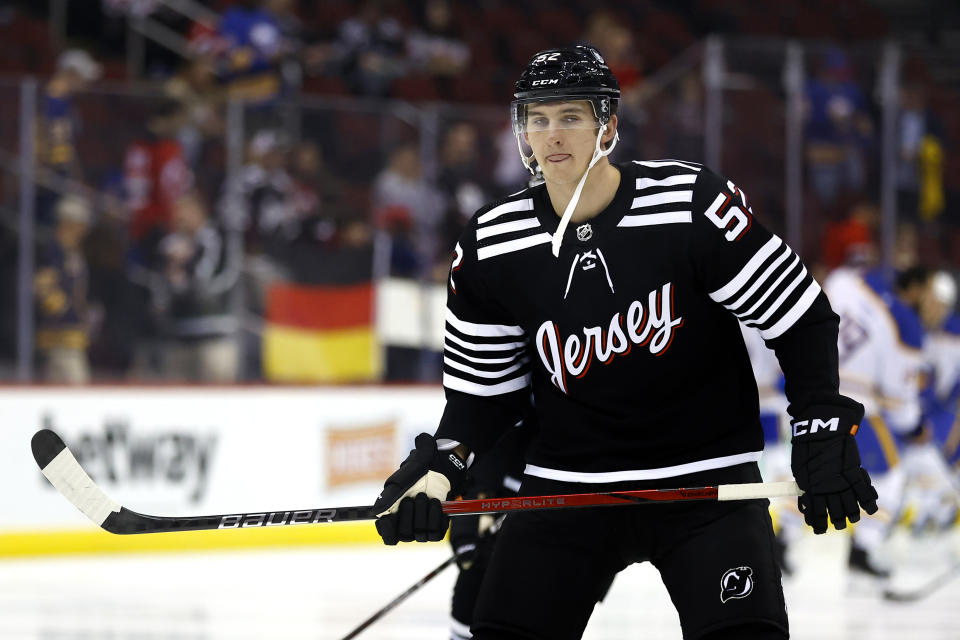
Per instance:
(881,365)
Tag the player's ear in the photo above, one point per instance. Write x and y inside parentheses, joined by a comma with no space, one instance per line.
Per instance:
(611,130)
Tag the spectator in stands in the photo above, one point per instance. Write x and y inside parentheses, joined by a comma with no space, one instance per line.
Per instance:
(116,306)
(291,27)
(60,286)
(260,202)
(838,130)
(250,66)
(261,199)
(369,50)
(686,119)
(436,47)
(853,240)
(201,101)
(75,70)
(156,174)
(611,34)
(59,125)
(198,271)
(920,143)
(411,211)
(318,200)
(509,174)
(461,180)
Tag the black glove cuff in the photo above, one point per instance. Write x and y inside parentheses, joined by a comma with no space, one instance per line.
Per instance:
(452,466)
(826,421)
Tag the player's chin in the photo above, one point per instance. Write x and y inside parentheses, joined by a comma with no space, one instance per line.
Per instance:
(562,172)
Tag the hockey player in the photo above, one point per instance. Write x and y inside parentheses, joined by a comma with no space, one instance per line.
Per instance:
(938,464)
(613,291)
(943,354)
(881,364)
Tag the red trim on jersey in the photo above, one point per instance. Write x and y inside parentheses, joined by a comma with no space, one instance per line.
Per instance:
(563,366)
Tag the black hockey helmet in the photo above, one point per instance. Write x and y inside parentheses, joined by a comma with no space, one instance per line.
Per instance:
(576,73)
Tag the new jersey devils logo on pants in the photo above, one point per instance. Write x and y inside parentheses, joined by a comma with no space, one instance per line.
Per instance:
(736,583)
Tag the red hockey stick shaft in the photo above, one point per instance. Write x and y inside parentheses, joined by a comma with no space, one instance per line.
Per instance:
(638,496)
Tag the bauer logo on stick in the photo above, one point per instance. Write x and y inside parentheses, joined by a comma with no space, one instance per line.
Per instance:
(736,583)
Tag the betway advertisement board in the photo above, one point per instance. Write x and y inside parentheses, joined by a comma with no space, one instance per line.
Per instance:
(197,451)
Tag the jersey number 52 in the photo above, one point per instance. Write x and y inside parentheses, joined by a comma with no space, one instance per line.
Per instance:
(733,219)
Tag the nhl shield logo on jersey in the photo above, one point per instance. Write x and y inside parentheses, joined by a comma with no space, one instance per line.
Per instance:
(584,232)
(736,583)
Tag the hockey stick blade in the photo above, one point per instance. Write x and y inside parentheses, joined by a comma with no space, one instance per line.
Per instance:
(61,468)
(924,590)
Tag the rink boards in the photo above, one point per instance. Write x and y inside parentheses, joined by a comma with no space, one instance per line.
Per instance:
(196,450)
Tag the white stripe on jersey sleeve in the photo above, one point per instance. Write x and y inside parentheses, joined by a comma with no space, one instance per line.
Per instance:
(794,314)
(666,163)
(459,384)
(484,359)
(507,227)
(670,181)
(480,346)
(475,358)
(507,207)
(786,253)
(513,245)
(770,287)
(482,330)
(666,197)
(651,219)
(776,304)
(500,373)
(747,272)
(750,281)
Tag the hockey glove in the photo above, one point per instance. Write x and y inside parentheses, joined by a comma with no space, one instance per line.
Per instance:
(826,465)
(409,507)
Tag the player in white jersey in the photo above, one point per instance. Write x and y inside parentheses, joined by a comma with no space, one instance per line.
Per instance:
(943,331)
(936,500)
(881,359)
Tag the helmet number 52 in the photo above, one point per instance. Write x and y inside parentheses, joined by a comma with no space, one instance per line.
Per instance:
(547,57)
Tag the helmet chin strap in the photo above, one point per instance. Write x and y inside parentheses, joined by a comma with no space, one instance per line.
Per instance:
(527,159)
(598,153)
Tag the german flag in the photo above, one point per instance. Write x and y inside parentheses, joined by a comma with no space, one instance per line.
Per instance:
(321,333)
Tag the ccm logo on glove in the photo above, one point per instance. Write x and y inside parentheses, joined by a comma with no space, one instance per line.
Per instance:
(800,427)
(457,462)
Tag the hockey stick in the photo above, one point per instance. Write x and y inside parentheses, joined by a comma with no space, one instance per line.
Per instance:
(924,590)
(422,581)
(400,598)
(66,475)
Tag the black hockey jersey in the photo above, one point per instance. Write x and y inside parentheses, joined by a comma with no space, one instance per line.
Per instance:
(629,339)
